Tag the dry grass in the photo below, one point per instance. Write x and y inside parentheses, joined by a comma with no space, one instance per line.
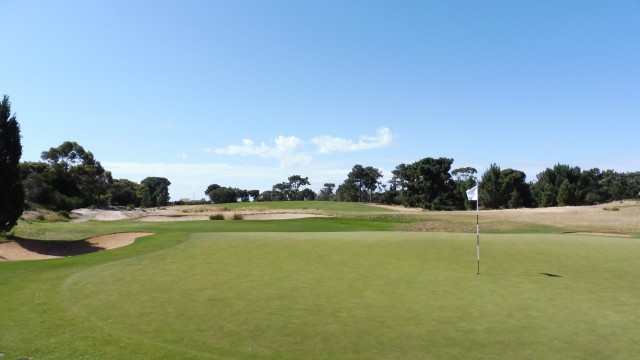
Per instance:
(599,218)
(45,215)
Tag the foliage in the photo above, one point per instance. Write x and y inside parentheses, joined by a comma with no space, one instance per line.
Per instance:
(237,216)
(504,189)
(360,184)
(221,194)
(427,183)
(123,192)
(307,195)
(270,195)
(326,193)
(154,191)
(11,188)
(465,179)
(491,195)
(565,185)
(70,177)
(348,191)
(289,191)
(216,217)
(295,182)
(85,175)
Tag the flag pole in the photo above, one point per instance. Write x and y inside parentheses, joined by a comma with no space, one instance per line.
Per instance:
(478,229)
(474,194)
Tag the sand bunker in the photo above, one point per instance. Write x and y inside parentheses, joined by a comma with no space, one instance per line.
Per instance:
(283,216)
(161,215)
(38,250)
(603,234)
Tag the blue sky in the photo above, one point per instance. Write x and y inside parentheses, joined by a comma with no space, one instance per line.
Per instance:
(247,93)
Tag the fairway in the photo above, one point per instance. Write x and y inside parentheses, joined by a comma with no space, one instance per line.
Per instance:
(337,295)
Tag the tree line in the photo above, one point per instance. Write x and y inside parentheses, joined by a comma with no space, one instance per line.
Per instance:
(69,177)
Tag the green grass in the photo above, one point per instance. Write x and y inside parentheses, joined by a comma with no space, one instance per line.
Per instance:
(349,287)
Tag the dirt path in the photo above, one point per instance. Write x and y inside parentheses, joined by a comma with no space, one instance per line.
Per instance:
(38,250)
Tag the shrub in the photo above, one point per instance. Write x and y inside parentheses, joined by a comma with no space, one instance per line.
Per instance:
(216,217)
(237,216)
(615,208)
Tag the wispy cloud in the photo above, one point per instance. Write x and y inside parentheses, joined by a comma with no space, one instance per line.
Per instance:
(330,144)
(289,150)
(292,151)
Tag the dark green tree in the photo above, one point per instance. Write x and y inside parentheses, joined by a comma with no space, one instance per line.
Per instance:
(465,180)
(154,191)
(491,195)
(566,194)
(364,179)
(295,182)
(371,180)
(254,194)
(326,193)
(123,192)
(516,191)
(76,177)
(243,195)
(307,194)
(547,188)
(11,190)
(223,195)
(284,191)
(348,191)
(270,195)
(428,184)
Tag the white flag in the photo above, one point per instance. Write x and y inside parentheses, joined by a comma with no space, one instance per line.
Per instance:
(472,194)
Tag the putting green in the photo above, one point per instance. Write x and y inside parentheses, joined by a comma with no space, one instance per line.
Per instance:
(363,295)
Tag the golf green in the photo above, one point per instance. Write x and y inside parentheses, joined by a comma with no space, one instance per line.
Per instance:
(338,295)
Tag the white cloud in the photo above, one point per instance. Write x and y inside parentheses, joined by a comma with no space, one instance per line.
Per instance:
(283,145)
(290,150)
(329,144)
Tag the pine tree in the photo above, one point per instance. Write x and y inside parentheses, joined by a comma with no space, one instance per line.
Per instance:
(11,190)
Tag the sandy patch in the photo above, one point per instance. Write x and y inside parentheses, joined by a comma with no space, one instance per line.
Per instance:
(229,215)
(603,234)
(161,218)
(81,215)
(166,215)
(398,208)
(284,216)
(38,250)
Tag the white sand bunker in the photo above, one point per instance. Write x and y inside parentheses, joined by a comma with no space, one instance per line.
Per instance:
(162,215)
(38,250)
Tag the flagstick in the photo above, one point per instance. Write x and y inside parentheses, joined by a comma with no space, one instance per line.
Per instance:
(478,229)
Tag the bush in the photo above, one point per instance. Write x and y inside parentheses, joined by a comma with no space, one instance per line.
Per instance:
(216,217)
(237,216)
